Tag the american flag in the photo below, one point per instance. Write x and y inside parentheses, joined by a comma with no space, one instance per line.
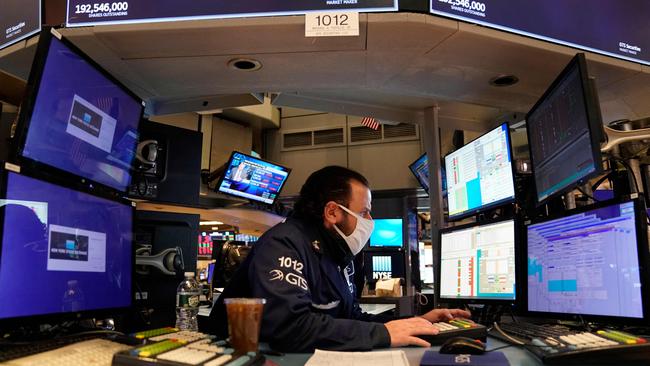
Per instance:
(370,122)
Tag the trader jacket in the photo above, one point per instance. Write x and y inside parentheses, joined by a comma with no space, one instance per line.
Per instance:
(305,274)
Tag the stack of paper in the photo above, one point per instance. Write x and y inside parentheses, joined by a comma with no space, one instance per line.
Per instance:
(381,358)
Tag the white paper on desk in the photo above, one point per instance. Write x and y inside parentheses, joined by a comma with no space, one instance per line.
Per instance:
(381,358)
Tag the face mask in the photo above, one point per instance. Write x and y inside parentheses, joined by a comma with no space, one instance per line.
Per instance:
(359,237)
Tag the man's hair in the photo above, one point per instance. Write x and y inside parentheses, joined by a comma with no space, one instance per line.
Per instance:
(331,183)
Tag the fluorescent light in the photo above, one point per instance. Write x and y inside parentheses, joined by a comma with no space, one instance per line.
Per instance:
(215,228)
(211,223)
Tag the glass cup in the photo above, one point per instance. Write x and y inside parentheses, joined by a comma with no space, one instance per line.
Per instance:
(244,322)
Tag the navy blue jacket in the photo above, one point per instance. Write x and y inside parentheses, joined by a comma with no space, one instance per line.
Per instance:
(305,274)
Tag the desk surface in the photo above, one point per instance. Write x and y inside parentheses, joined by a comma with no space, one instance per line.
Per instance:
(516,356)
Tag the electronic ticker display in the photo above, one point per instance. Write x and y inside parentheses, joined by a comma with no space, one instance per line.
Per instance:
(19,19)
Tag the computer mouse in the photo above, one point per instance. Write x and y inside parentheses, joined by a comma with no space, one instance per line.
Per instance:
(462,345)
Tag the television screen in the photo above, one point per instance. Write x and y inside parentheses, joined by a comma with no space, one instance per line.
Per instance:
(420,169)
(19,19)
(564,130)
(480,174)
(62,250)
(76,118)
(588,263)
(478,262)
(253,178)
(380,265)
(387,233)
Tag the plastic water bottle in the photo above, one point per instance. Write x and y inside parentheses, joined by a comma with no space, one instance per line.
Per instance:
(187,303)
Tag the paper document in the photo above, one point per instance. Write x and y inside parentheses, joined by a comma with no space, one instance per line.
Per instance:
(382,358)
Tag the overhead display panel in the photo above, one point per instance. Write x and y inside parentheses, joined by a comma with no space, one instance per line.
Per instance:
(19,19)
(610,27)
(89,12)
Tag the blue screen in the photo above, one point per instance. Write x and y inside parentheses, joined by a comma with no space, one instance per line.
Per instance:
(252,178)
(420,169)
(387,233)
(82,122)
(586,264)
(62,250)
(210,272)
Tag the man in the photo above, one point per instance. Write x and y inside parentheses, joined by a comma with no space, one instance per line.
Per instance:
(302,267)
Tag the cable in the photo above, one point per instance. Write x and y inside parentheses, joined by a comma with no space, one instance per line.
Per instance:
(629,171)
(587,194)
(511,339)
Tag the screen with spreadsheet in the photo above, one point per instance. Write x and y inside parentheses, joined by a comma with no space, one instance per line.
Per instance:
(479,175)
(586,264)
(478,262)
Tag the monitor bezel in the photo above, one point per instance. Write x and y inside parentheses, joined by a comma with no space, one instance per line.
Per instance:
(476,300)
(384,247)
(51,318)
(29,102)
(594,124)
(641,226)
(229,162)
(491,205)
(417,177)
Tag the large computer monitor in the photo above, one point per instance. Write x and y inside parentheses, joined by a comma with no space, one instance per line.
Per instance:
(76,120)
(256,179)
(478,263)
(589,263)
(64,253)
(564,131)
(388,233)
(480,175)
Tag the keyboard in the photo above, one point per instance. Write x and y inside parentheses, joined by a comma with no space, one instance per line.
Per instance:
(180,352)
(456,328)
(561,345)
(94,352)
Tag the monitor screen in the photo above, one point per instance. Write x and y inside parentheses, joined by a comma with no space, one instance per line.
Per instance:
(253,178)
(586,263)
(426,263)
(77,119)
(62,250)
(420,168)
(19,19)
(210,272)
(564,132)
(480,174)
(380,265)
(387,233)
(478,262)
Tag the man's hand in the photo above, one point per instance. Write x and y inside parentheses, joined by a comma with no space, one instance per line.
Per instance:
(442,315)
(404,332)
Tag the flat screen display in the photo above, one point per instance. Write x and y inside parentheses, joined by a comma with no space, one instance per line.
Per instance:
(586,264)
(253,178)
(19,19)
(420,169)
(478,262)
(84,13)
(608,27)
(480,175)
(564,133)
(81,121)
(62,251)
(387,233)
(381,265)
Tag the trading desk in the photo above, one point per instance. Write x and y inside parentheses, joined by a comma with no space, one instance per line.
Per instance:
(517,356)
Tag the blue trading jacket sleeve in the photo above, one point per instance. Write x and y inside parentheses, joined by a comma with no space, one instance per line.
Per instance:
(280,274)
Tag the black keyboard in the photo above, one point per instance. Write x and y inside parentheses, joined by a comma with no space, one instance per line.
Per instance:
(456,328)
(561,345)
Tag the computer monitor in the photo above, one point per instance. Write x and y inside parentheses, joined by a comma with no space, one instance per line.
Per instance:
(478,263)
(564,131)
(480,175)
(388,233)
(64,253)
(19,19)
(425,252)
(379,265)
(420,169)
(253,178)
(589,263)
(76,120)
(210,272)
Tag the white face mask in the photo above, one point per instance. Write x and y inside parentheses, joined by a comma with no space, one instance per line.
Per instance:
(359,237)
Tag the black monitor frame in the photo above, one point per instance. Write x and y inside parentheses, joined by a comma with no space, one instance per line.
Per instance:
(425,186)
(488,301)
(223,177)
(487,207)
(9,323)
(29,102)
(644,265)
(594,122)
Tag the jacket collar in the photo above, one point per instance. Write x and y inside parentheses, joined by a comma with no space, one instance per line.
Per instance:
(327,243)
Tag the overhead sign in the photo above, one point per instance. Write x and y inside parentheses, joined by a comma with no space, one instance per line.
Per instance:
(19,19)
(89,12)
(610,27)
